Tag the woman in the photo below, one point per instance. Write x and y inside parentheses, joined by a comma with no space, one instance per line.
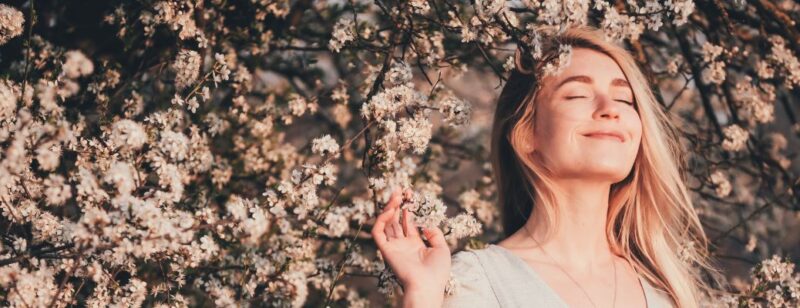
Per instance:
(594,208)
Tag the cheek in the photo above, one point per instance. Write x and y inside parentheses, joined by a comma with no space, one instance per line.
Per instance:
(554,130)
(550,125)
(634,124)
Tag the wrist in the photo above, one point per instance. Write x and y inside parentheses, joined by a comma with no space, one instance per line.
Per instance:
(423,297)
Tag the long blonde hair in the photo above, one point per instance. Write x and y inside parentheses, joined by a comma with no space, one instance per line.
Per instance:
(651,220)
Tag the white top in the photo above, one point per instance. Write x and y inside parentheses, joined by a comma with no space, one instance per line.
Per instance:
(495,277)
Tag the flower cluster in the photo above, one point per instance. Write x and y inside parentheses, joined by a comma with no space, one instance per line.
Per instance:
(721,184)
(735,138)
(187,68)
(556,66)
(756,104)
(715,72)
(456,111)
(11,22)
(344,31)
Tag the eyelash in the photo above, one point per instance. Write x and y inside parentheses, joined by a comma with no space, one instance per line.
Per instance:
(619,100)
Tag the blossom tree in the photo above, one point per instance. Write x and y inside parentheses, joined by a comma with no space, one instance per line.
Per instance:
(231,152)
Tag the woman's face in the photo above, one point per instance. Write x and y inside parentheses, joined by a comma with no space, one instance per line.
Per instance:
(585,124)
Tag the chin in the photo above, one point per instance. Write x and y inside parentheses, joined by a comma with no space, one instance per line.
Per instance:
(608,172)
(612,178)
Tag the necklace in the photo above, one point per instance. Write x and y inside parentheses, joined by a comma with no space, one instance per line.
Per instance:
(613,264)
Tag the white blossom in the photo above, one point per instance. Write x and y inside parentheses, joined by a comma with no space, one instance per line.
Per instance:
(777,271)
(420,6)
(386,103)
(46,227)
(509,64)
(344,31)
(120,174)
(325,145)
(186,67)
(456,112)
(77,64)
(711,52)
(57,191)
(11,22)
(682,9)
(88,189)
(221,72)
(174,144)
(8,99)
(414,133)
(764,70)
(715,73)
(127,135)
(673,66)
(756,104)
(461,226)
(337,222)
(46,92)
(297,104)
(399,74)
(786,59)
(487,8)
(429,210)
(339,94)
(735,138)
(49,156)
(563,60)
(721,184)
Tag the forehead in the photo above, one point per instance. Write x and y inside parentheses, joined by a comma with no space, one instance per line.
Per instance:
(588,62)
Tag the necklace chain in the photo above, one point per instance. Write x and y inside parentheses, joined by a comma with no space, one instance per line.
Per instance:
(613,263)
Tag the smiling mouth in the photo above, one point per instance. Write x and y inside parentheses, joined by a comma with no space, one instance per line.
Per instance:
(605,136)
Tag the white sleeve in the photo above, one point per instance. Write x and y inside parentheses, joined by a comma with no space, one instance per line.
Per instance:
(472,286)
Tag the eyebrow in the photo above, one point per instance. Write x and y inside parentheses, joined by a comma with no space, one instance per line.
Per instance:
(617,82)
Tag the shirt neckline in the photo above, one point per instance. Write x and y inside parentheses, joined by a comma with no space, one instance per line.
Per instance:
(540,280)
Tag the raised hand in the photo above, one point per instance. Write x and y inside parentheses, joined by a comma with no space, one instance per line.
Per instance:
(422,270)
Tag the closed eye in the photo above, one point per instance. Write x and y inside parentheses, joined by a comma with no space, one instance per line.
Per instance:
(619,100)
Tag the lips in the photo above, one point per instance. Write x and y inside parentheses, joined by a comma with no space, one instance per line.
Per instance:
(606,134)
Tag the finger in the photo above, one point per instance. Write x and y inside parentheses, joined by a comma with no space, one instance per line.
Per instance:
(435,237)
(398,229)
(378,233)
(386,216)
(394,201)
(391,232)
(388,227)
(383,223)
(387,230)
(409,227)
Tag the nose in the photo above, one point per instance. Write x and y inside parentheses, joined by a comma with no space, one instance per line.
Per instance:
(607,109)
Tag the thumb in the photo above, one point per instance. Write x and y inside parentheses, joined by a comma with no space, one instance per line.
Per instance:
(435,237)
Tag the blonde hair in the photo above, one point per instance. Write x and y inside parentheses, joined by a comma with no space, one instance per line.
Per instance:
(651,220)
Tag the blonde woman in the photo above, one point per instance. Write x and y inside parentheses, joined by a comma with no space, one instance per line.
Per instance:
(594,208)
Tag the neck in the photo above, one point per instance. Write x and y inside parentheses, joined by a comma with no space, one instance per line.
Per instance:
(579,239)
